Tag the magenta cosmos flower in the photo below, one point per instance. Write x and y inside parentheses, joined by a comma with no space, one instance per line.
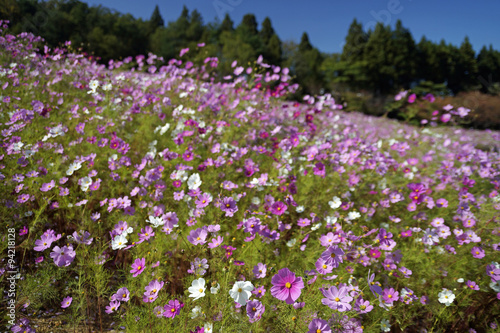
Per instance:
(138,266)
(172,309)
(286,287)
(278,208)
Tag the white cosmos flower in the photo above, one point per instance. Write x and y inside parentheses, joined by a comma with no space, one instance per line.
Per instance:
(331,220)
(335,203)
(72,168)
(156,221)
(197,289)
(127,232)
(353,215)
(241,292)
(446,297)
(196,312)
(85,183)
(107,87)
(208,328)
(93,85)
(299,209)
(119,242)
(162,129)
(194,181)
(17,146)
(215,290)
(316,226)
(385,326)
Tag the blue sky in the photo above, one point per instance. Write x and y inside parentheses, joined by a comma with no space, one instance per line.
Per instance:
(327,21)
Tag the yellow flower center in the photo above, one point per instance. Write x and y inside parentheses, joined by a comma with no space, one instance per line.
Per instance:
(288,285)
(337,299)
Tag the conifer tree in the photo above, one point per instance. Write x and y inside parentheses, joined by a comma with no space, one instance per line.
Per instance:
(156,20)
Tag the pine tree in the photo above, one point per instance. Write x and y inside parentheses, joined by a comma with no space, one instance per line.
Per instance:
(156,20)
(249,25)
(379,54)
(305,45)
(355,42)
(227,24)
(195,29)
(405,61)
(466,67)
(248,33)
(274,50)
(488,63)
(267,31)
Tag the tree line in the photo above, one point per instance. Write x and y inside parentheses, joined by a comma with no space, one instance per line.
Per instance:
(382,60)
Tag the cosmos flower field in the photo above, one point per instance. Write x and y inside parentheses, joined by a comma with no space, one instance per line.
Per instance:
(161,198)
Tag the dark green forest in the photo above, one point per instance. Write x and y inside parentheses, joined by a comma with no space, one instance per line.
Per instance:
(381,61)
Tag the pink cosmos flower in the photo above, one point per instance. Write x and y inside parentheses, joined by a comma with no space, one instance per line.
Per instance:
(197,236)
(48,186)
(319,326)
(255,309)
(66,302)
(278,208)
(172,309)
(406,233)
(445,117)
(260,271)
(477,252)
(337,298)
(152,289)
(442,203)
(259,292)
(122,295)
(23,231)
(472,285)
(63,256)
(390,295)
(286,287)
(112,307)
(138,266)
(216,242)
(333,255)
(44,243)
